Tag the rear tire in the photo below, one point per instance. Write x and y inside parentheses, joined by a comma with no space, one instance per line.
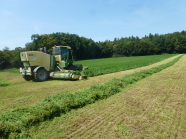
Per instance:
(41,75)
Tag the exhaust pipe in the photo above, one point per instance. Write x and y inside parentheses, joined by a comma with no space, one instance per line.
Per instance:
(43,50)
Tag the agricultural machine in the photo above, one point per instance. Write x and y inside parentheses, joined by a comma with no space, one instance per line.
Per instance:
(39,66)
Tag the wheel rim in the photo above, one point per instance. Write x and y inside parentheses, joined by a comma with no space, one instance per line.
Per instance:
(42,75)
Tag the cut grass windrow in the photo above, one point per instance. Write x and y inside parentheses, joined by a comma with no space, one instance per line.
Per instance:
(14,123)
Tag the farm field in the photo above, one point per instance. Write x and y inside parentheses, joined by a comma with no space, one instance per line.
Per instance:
(19,120)
(151,108)
(18,92)
(110,65)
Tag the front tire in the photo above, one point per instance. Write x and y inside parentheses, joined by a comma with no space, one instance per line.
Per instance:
(27,77)
(41,75)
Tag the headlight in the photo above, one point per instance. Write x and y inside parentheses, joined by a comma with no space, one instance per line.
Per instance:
(29,69)
(20,69)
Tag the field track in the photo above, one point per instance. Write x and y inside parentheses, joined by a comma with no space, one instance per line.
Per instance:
(21,93)
(152,108)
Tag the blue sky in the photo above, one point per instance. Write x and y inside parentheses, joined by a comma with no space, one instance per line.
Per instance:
(99,20)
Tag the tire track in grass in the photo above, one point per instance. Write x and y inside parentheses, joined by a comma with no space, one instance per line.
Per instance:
(154,102)
(113,122)
(173,87)
(103,124)
(176,124)
(92,123)
(167,91)
(92,120)
(98,124)
(152,121)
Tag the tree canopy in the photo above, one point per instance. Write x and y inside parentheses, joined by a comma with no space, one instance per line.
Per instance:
(84,48)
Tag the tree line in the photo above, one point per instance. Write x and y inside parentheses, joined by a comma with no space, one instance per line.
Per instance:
(84,48)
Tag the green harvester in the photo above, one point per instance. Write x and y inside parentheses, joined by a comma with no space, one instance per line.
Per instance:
(39,66)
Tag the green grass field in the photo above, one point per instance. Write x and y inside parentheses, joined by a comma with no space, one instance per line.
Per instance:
(110,65)
(15,91)
(63,96)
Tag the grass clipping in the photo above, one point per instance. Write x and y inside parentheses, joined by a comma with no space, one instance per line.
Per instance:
(15,123)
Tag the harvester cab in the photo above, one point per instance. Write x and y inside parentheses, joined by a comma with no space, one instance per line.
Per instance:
(63,55)
(39,66)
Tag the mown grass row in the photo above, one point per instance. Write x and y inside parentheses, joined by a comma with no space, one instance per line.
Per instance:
(15,123)
(110,65)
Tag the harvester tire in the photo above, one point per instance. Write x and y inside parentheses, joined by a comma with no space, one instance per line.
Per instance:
(27,77)
(41,75)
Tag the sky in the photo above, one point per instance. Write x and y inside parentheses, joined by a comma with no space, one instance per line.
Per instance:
(99,20)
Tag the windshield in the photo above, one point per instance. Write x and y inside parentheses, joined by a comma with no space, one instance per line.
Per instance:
(63,51)
(56,51)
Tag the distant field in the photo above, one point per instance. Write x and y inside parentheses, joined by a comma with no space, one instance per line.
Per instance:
(110,65)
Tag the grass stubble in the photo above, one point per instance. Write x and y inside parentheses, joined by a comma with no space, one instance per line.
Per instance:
(18,92)
(80,99)
(151,108)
